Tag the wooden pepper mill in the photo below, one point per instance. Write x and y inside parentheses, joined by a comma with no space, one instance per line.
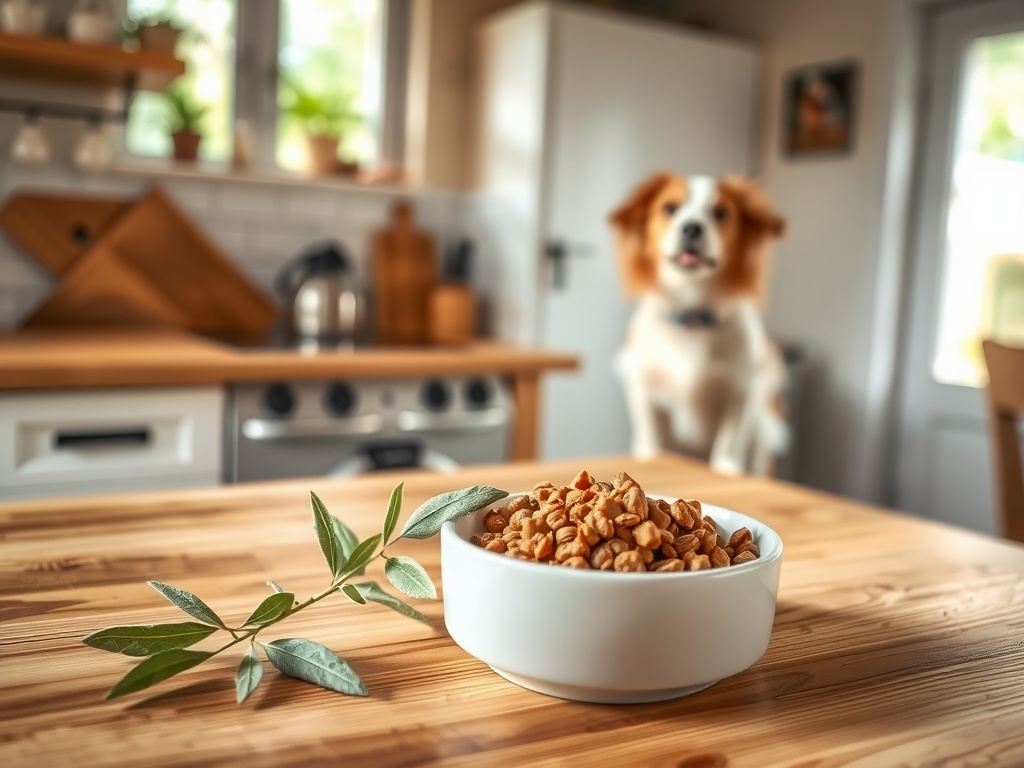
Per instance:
(452,304)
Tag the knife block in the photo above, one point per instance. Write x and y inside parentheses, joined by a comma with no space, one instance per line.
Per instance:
(452,315)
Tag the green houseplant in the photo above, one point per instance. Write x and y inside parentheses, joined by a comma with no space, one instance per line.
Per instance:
(322,116)
(184,122)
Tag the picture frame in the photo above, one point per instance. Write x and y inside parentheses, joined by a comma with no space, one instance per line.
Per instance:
(819,109)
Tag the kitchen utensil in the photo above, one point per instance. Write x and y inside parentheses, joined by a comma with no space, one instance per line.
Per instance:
(56,229)
(635,637)
(404,276)
(321,306)
(155,265)
(452,305)
(30,145)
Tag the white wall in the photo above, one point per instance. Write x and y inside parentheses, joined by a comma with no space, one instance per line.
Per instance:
(825,295)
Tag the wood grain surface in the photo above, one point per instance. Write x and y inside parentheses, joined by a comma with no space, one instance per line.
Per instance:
(896,641)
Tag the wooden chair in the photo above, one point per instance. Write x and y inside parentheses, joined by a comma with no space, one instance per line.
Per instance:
(1005,402)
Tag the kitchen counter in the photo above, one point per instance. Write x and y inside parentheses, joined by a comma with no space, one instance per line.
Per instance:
(65,360)
(896,640)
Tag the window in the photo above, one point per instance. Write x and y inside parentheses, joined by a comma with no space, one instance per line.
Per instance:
(983,285)
(208,50)
(329,52)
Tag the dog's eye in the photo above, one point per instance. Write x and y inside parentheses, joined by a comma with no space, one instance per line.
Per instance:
(669,209)
(720,212)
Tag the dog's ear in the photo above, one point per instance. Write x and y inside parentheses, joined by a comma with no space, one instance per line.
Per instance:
(629,221)
(754,206)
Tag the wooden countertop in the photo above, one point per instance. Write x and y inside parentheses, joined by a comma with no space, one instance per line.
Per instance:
(56,360)
(896,641)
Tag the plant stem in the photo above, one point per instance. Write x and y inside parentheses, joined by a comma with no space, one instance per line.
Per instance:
(335,586)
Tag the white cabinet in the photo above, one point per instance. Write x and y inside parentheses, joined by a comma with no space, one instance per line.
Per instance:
(69,442)
(575,107)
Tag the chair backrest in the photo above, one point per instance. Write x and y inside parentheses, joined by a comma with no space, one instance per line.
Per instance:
(1005,397)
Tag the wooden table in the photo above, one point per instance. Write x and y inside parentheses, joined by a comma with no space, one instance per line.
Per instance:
(896,641)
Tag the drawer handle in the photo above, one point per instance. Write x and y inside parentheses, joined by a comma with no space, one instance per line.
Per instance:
(101,438)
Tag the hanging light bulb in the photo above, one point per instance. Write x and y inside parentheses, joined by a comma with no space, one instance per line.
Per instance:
(30,146)
(94,152)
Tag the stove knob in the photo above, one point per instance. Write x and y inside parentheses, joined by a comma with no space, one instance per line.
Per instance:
(279,399)
(435,395)
(341,399)
(478,392)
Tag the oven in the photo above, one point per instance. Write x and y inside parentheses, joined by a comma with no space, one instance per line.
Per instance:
(338,427)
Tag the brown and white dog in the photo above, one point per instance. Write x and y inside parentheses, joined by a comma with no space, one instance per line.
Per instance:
(699,370)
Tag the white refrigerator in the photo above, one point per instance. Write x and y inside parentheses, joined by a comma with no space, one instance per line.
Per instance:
(574,107)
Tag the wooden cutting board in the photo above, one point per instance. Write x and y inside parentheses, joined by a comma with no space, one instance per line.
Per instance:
(404,274)
(154,267)
(57,229)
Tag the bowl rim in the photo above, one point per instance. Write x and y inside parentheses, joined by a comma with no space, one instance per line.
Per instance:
(464,546)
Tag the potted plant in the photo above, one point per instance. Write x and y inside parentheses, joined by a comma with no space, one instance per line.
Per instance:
(323,117)
(184,115)
(158,33)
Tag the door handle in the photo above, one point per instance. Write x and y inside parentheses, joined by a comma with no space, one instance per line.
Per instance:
(556,252)
(290,429)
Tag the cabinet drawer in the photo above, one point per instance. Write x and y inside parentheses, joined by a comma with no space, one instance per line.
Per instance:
(86,440)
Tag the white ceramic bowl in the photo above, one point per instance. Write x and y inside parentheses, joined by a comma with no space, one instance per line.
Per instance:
(609,637)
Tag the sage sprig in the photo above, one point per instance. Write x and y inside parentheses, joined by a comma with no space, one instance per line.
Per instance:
(165,646)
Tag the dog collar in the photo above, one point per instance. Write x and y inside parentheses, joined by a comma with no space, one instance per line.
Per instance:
(701,317)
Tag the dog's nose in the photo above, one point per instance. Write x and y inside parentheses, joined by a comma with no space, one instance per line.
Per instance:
(692,230)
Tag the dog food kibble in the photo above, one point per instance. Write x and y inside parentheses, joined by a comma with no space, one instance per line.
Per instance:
(611,527)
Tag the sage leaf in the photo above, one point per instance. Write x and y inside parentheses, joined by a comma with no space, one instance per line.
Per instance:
(409,577)
(394,508)
(189,603)
(361,555)
(315,664)
(353,594)
(347,541)
(274,586)
(325,534)
(371,591)
(248,676)
(434,513)
(149,639)
(156,668)
(271,608)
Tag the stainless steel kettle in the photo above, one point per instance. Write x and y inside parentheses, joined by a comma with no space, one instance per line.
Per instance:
(321,306)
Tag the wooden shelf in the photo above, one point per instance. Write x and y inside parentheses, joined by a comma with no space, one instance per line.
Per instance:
(59,60)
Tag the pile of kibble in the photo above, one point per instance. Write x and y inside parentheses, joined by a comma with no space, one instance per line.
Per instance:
(611,526)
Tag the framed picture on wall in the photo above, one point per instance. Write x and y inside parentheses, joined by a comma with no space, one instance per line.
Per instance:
(818,109)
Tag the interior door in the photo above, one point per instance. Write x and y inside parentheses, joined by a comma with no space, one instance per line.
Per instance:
(627,99)
(967,274)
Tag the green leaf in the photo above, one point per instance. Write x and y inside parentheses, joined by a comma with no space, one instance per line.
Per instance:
(371,591)
(274,586)
(248,676)
(271,608)
(156,668)
(434,513)
(409,577)
(347,541)
(329,544)
(353,594)
(189,603)
(315,664)
(394,508)
(361,555)
(149,639)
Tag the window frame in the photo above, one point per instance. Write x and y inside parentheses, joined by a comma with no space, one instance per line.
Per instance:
(257,33)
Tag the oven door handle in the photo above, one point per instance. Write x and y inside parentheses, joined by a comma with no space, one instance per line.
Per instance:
(421,421)
(291,429)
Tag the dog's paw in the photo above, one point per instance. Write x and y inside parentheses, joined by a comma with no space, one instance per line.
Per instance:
(645,450)
(726,465)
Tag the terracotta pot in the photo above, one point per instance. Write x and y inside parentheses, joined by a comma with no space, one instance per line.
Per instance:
(186,145)
(160,37)
(323,155)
